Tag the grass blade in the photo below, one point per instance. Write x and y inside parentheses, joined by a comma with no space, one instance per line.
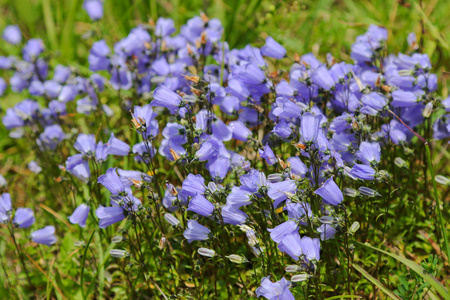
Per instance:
(376,282)
(83,263)
(416,268)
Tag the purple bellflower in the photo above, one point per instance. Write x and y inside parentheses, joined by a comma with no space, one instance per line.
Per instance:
(309,128)
(11,34)
(45,236)
(200,205)
(24,217)
(273,49)
(165,97)
(330,192)
(196,232)
(94,8)
(268,155)
(80,214)
(275,291)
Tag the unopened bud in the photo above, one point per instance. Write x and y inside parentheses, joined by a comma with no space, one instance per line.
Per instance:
(79,244)
(300,277)
(252,239)
(171,219)
(428,110)
(326,220)
(351,192)
(206,252)
(274,178)
(292,268)
(399,162)
(368,191)
(237,259)
(117,239)
(162,243)
(117,253)
(442,180)
(354,228)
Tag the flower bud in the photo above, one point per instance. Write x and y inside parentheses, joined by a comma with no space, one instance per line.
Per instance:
(274,178)
(117,239)
(206,252)
(79,244)
(252,239)
(367,191)
(354,228)
(428,110)
(162,243)
(399,162)
(350,192)
(117,253)
(171,219)
(442,180)
(326,220)
(292,268)
(300,277)
(237,259)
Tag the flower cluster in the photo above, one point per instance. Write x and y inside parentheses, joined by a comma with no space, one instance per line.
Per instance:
(266,156)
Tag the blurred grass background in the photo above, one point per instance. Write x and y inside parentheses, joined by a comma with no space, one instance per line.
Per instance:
(318,26)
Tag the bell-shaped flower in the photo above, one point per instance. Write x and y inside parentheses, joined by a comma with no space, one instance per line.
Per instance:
(322,78)
(196,232)
(12,35)
(268,155)
(80,214)
(45,236)
(277,234)
(117,147)
(278,191)
(404,99)
(165,97)
(5,206)
(24,217)
(94,8)
(363,172)
(290,244)
(273,49)
(110,215)
(112,182)
(233,215)
(164,27)
(309,127)
(330,192)
(310,248)
(200,205)
(369,153)
(278,290)
(326,232)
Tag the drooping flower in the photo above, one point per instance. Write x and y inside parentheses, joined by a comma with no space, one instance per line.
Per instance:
(273,291)
(80,214)
(165,97)
(45,236)
(273,49)
(24,217)
(330,192)
(369,153)
(94,8)
(196,232)
(200,205)
(309,128)
(11,34)
(268,155)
